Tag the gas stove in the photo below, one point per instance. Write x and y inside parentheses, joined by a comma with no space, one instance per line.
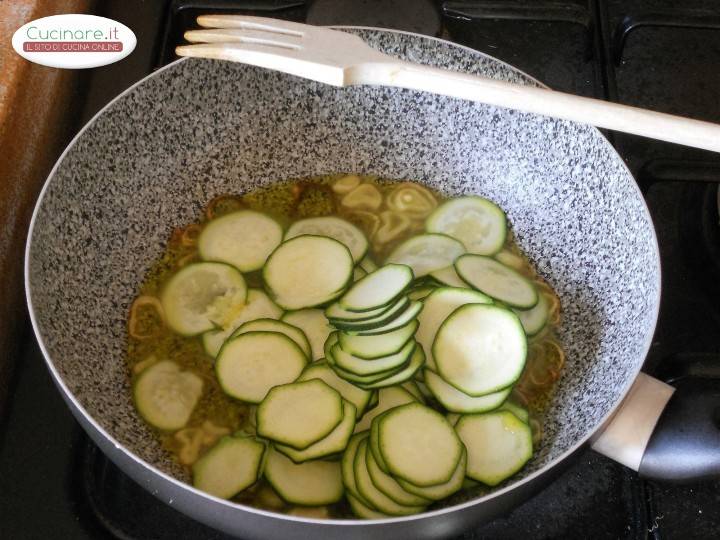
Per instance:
(659,54)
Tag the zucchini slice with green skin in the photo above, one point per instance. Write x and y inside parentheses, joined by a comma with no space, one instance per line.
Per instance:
(410,314)
(417,360)
(480,349)
(453,418)
(374,443)
(243,239)
(371,493)
(449,277)
(314,325)
(370,347)
(360,366)
(248,366)
(368,264)
(347,464)
(273,325)
(438,306)
(332,227)
(361,379)
(312,483)
(420,293)
(508,258)
(386,318)
(389,486)
(412,387)
(521,412)
(257,306)
(388,398)
(418,445)
(334,442)
(534,319)
(456,401)
(199,297)
(440,491)
(362,510)
(338,315)
(497,281)
(477,222)
(374,400)
(165,396)
(426,253)
(358,274)
(308,271)
(299,414)
(229,467)
(498,444)
(357,396)
(379,288)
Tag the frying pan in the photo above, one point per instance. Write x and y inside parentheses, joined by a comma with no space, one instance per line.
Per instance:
(152,158)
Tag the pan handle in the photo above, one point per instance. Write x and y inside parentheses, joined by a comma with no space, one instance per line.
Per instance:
(666,433)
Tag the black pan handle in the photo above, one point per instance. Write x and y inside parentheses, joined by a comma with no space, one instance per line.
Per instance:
(685,445)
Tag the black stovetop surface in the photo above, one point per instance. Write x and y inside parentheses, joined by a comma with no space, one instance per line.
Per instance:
(54,483)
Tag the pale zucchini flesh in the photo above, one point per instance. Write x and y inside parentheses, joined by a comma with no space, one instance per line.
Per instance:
(299,414)
(248,366)
(357,396)
(389,486)
(359,380)
(519,411)
(480,349)
(388,398)
(418,445)
(377,346)
(454,400)
(314,325)
(338,314)
(165,395)
(361,510)
(336,228)
(273,325)
(229,467)
(498,443)
(368,264)
(477,222)
(426,253)
(199,297)
(377,289)
(307,271)
(243,239)
(312,483)
(437,307)
(497,281)
(347,464)
(534,319)
(360,366)
(388,317)
(449,277)
(408,315)
(440,491)
(417,360)
(412,387)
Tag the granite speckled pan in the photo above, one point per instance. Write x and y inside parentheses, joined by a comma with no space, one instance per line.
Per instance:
(159,152)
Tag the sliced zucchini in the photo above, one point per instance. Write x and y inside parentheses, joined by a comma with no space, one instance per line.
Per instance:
(534,320)
(165,396)
(438,306)
(257,306)
(307,271)
(386,318)
(388,398)
(456,401)
(497,280)
(389,486)
(379,288)
(508,258)
(521,412)
(360,366)
(417,360)
(370,347)
(374,400)
(420,293)
(498,443)
(248,366)
(360,379)
(314,325)
(299,414)
(418,445)
(347,464)
(332,227)
(272,325)
(371,493)
(199,297)
(440,491)
(453,418)
(229,467)
(410,314)
(334,442)
(426,253)
(338,315)
(312,483)
(357,396)
(358,274)
(243,239)
(480,349)
(448,276)
(368,264)
(478,223)
(412,387)
(361,510)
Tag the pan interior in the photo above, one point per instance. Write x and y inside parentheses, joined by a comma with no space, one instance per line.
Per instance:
(199,128)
